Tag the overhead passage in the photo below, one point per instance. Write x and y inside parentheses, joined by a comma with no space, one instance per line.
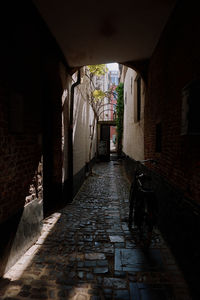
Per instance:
(90,32)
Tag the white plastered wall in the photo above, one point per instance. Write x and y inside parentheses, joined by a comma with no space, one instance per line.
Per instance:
(83,119)
(66,84)
(133,135)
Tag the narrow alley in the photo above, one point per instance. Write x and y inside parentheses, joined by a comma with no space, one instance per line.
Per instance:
(87,252)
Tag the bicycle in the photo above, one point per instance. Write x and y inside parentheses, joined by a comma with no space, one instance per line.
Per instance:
(142,200)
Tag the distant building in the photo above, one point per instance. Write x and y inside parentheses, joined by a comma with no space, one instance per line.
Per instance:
(114,81)
(114,77)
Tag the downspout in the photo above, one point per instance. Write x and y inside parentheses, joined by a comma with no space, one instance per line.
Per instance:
(70,139)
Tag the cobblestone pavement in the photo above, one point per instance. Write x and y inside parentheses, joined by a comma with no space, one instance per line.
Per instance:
(87,252)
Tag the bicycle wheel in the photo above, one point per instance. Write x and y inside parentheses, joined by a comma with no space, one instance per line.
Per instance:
(146,230)
(132,200)
(149,219)
(139,210)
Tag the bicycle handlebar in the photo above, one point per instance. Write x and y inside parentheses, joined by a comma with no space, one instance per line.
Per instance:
(148,160)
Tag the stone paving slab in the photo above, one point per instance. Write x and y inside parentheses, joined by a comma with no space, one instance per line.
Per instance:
(86,251)
(135,260)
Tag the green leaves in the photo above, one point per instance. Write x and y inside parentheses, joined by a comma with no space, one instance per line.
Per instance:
(98,70)
(98,95)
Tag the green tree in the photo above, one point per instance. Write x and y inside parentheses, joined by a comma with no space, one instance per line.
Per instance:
(98,70)
(96,97)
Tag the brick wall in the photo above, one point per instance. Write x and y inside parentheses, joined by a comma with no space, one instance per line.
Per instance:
(175,62)
(20,115)
(30,95)
(18,161)
(30,121)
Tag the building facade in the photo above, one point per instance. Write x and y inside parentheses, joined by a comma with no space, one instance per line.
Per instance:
(134,97)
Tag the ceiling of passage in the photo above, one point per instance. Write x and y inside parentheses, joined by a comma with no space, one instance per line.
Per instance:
(93,32)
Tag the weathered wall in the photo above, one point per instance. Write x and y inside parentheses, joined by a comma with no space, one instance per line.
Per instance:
(133,134)
(30,118)
(82,137)
(84,120)
(52,132)
(20,115)
(176,62)
(28,231)
(67,81)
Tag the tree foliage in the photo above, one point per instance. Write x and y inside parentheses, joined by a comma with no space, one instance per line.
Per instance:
(98,95)
(98,70)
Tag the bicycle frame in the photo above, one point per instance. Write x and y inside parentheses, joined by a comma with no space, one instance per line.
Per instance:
(142,199)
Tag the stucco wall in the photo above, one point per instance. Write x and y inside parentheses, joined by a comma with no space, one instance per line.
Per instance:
(67,82)
(133,135)
(83,120)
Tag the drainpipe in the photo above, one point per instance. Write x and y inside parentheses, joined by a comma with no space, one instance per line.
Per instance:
(70,139)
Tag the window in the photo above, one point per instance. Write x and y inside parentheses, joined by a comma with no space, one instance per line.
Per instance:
(131,85)
(125,98)
(138,98)
(91,129)
(190,109)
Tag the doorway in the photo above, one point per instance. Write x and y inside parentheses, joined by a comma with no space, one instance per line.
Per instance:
(106,140)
